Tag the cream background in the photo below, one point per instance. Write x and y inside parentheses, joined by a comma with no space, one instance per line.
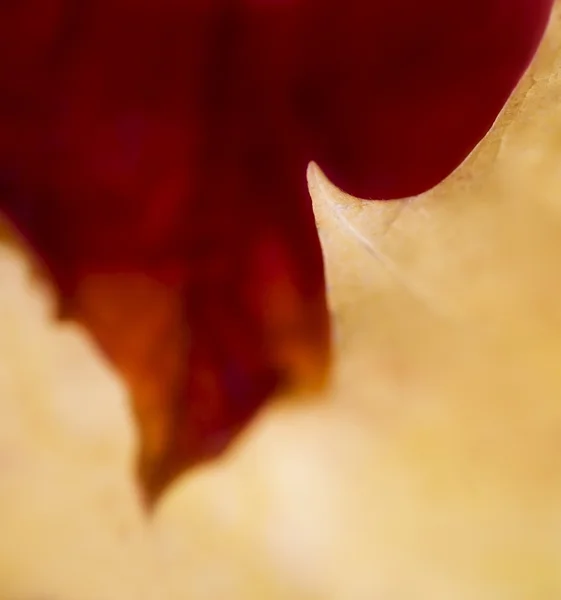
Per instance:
(431,469)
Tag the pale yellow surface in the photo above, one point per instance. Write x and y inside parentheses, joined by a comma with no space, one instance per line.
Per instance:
(430,470)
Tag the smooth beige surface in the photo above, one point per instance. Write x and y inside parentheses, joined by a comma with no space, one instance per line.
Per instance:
(430,470)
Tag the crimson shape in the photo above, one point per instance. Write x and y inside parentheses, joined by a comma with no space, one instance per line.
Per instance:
(153,154)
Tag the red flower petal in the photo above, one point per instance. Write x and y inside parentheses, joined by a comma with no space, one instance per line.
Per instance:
(173,224)
(154,155)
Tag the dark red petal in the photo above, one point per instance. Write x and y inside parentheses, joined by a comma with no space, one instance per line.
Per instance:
(154,155)
(138,163)
(394,94)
